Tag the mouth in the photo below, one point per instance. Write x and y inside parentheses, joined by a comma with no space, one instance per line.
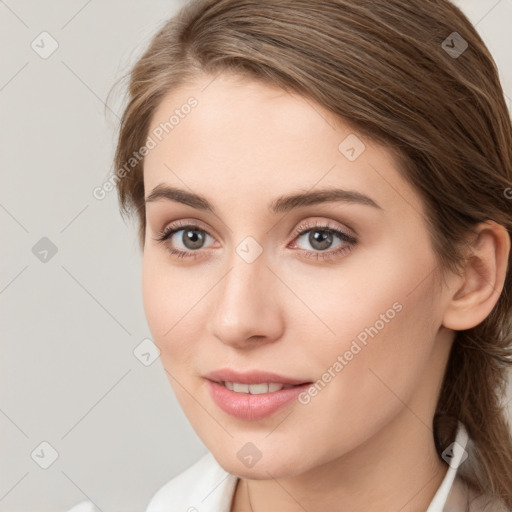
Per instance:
(253,395)
(256,389)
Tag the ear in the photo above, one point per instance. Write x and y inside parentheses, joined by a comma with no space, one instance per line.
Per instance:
(475,294)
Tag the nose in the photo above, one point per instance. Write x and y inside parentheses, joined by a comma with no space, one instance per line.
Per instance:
(248,311)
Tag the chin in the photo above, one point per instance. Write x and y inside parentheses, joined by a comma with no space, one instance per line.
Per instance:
(278,465)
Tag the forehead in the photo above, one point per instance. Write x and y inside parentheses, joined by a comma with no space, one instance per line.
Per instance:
(250,138)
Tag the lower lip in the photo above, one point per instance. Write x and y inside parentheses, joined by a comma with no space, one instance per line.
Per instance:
(253,407)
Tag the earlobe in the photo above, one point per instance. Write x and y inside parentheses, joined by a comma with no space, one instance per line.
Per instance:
(484,274)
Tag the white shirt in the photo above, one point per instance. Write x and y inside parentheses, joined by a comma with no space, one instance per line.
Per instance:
(207,487)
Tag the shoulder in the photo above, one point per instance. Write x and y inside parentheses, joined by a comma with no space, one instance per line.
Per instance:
(463,498)
(486,503)
(455,493)
(203,486)
(84,506)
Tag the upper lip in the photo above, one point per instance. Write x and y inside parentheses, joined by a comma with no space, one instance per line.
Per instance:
(251,377)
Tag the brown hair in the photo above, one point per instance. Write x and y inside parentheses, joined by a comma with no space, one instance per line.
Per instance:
(388,69)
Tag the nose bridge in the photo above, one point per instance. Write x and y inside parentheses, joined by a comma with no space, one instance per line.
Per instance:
(246,299)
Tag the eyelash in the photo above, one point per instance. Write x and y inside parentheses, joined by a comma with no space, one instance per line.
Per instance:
(302,229)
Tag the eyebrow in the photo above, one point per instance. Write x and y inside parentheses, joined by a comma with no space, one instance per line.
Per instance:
(281,204)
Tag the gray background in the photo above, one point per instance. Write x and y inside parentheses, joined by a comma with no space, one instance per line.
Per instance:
(70,324)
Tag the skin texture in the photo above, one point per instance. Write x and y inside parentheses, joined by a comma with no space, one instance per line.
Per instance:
(365,442)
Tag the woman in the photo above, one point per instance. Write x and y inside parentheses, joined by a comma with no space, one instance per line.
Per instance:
(323,196)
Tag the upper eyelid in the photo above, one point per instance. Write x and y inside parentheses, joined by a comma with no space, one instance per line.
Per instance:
(183,224)
(326,225)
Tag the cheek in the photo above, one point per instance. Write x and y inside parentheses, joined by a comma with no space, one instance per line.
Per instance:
(157,303)
(163,299)
(174,301)
(379,316)
(384,335)
(170,304)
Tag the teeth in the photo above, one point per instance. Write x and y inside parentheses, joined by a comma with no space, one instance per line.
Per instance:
(240,388)
(255,389)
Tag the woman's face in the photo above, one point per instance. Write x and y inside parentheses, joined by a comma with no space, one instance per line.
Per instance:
(260,284)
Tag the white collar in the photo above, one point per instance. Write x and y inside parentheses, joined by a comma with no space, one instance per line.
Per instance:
(455,455)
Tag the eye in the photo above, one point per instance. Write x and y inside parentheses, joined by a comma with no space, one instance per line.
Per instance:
(183,240)
(321,237)
(186,240)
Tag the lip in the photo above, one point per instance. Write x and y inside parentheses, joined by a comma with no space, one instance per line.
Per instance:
(247,406)
(251,377)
